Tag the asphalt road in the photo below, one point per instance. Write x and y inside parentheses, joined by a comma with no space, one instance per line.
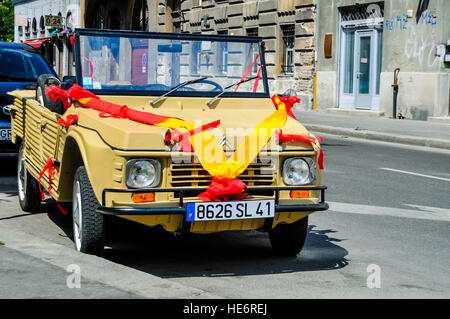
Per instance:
(389,216)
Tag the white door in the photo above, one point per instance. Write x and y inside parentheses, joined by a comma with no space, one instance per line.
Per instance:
(365,74)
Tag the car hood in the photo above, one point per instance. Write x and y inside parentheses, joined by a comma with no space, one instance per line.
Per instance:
(237,118)
(6,99)
(6,87)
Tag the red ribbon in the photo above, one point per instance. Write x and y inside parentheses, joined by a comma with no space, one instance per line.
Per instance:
(224,189)
(70,119)
(55,92)
(248,72)
(49,166)
(290,137)
(182,139)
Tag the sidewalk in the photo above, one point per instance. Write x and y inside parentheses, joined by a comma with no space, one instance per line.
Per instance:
(412,132)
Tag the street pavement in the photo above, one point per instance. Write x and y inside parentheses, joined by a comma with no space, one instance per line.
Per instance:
(409,132)
(389,210)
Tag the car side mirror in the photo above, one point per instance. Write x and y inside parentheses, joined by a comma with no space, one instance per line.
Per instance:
(290,92)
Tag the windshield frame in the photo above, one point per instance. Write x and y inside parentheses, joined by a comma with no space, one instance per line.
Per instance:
(171,36)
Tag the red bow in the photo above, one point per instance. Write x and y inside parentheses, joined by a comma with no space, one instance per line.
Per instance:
(224,189)
(289,102)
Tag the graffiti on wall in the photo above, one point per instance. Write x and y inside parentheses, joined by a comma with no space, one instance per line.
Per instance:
(401,22)
(397,23)
(419,46)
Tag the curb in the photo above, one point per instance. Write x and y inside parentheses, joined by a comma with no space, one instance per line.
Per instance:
(372,135)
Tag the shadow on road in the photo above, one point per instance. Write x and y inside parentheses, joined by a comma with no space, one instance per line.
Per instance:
(241,253)
(8,179)
(162,254)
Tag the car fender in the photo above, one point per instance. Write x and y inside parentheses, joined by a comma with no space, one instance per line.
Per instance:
(85,147)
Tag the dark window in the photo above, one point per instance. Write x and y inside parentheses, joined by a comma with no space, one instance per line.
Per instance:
(288,36)
(34,26)
(42,25)
(21,65)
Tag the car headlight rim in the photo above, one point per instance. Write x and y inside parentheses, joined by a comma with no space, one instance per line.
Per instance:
(143,173)
(298,171)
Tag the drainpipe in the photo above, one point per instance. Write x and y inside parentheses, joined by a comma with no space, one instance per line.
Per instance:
(395,92)
(316,57)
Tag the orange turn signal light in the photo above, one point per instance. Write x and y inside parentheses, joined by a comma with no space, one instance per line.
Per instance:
(299,194)
(143,197)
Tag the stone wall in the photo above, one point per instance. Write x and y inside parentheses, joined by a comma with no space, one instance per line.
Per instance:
(267,16)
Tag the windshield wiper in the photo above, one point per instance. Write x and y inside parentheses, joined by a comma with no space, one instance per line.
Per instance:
(178,87)
(228,87)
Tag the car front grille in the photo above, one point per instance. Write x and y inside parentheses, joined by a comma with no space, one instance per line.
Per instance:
(194,175)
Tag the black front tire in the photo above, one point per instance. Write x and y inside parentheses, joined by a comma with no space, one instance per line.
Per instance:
(44,81)
(27,186)
(289,239)
(88,224)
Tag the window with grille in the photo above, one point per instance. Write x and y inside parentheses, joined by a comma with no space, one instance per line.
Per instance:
(288,36)
(253,32)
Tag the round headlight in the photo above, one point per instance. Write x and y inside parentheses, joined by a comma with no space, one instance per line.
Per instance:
(143,173)
(298,171)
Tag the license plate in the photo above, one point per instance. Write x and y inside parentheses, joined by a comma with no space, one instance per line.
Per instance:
(230,210)
(5,134)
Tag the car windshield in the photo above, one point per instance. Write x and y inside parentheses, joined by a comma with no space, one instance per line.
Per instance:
(19,65)
(156,64)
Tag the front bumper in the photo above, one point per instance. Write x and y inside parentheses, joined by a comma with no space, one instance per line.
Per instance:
(181,208)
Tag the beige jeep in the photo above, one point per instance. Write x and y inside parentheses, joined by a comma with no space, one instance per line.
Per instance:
(113,166)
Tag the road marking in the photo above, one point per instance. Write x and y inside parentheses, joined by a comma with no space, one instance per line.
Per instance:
(429,213)
(416,174)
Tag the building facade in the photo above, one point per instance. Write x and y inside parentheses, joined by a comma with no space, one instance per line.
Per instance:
(287,27)
(361,43)
(33,25)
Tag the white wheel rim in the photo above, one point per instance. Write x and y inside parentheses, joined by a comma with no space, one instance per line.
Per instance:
(40,97)
(21,177)
(77,216)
